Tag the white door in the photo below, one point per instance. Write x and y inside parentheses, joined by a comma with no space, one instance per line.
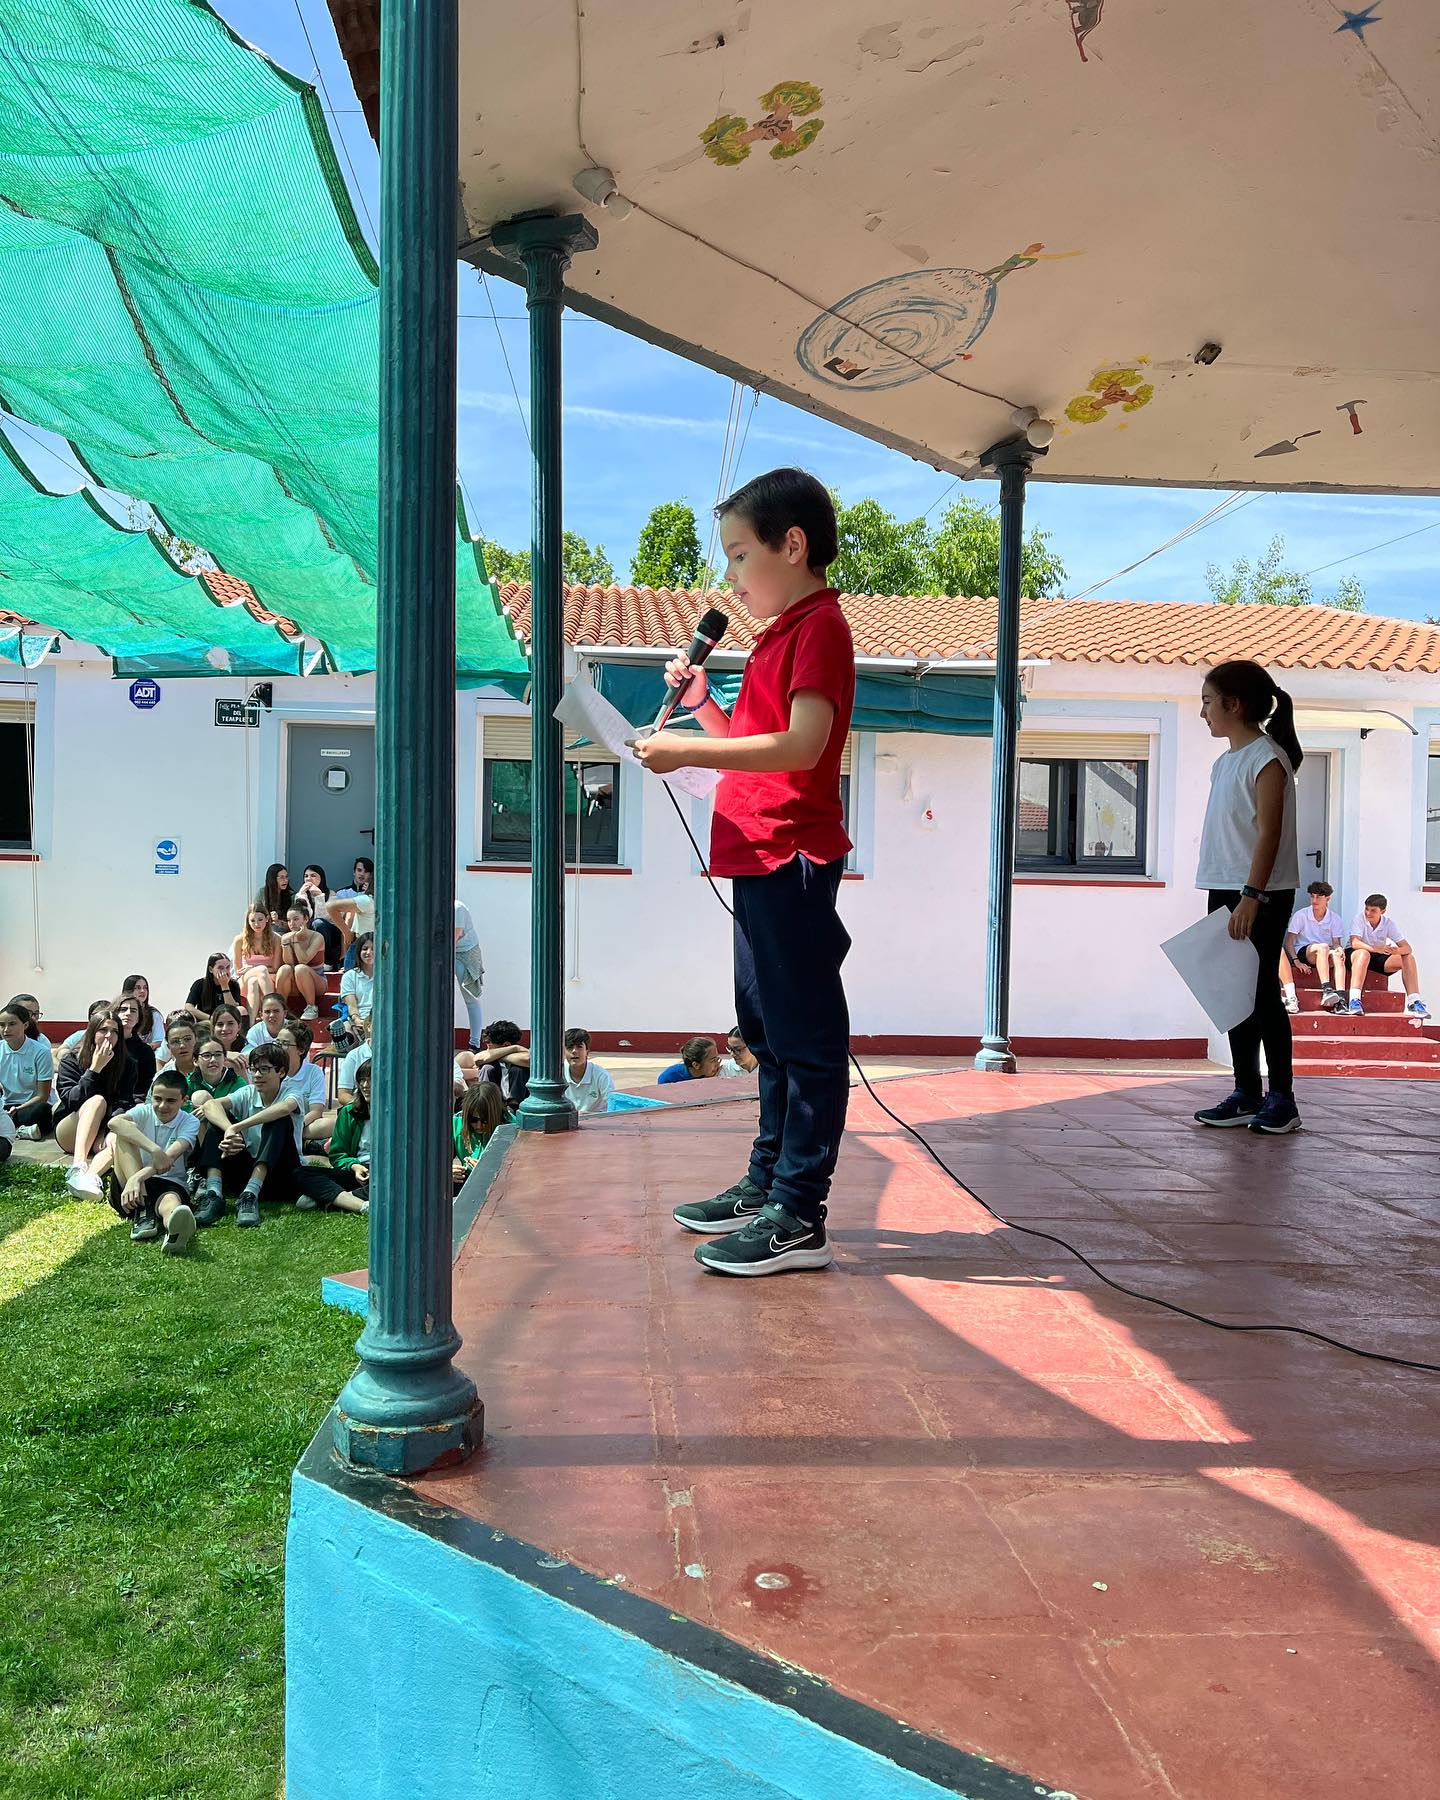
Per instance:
(1312,817)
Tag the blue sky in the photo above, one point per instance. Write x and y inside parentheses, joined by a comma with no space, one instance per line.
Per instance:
(643,426)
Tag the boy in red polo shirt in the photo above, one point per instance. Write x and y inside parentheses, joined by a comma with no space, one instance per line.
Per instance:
(779,834)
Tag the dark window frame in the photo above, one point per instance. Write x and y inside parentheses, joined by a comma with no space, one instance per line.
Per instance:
(506,851)
(1067,799)
(16,763)
(1432,809)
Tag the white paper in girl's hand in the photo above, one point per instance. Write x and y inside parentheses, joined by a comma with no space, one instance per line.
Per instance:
(1220,971)
(586,712)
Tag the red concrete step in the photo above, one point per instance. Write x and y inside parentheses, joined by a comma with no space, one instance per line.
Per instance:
(1348,1025)
(1393,1071)
(1415,1048)
(1379,1002)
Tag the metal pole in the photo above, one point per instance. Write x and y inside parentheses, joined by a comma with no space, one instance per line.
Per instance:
(408,1407)
(544,244)
(1012,460)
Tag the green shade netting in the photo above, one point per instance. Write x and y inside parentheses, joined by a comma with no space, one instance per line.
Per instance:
(186,296)
(951,705)
(29,648)
(66,562)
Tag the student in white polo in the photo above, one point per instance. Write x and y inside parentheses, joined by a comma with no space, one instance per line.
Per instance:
(1377,942)
(1316,936)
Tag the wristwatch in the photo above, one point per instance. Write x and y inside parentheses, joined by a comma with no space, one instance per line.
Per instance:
(1252,893)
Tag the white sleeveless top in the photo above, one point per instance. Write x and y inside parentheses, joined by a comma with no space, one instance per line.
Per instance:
(1232,820)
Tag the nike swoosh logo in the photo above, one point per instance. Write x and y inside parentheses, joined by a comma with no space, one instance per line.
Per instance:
(788,1243)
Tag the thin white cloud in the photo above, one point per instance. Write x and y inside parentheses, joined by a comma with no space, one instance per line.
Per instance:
(616,417)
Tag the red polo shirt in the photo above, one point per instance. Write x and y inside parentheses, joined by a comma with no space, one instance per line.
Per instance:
(762,822)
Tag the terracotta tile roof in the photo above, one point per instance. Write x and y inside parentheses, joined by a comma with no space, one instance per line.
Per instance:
(1116,631)
(230,590)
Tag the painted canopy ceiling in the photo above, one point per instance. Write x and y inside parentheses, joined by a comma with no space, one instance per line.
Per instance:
(916,222)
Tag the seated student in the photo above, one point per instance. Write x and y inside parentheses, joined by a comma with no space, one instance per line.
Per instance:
(229,1025)
(504,1062)
(741,1060)
(7,1135)
(464,1072)
(357,984)
(276,895)
(256,956)
(1377,942)
(350,1141)
(213,1071)
(182,1041)
(216,987)
(481,1111)
(1315,937)
(269,1025)
(256,1132)
(127,1010)
(92,1012)
(150,1143)
(152,1028)
(301,975)
(95,1084)
(305,1079)
(588,1085)
(27,1068)
(354,1061)
(699,1060)
(469,970)
(315,890)
(353,908)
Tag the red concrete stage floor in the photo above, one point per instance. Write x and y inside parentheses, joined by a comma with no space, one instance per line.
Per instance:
(961,1480)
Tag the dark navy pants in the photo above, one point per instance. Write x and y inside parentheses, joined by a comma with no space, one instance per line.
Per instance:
(790,1007)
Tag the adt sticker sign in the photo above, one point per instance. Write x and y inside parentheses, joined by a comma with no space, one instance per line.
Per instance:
(167,856)
(144,694)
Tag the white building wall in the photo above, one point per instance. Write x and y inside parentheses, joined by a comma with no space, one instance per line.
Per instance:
(649,952)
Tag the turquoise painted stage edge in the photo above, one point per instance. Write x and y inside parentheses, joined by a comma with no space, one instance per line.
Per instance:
(430,1658)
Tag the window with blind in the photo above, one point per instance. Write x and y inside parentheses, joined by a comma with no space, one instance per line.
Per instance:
(1432,813)
(17,755)
(1083,802)
(592,798)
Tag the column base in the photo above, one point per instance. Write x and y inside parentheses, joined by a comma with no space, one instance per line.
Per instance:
(404,1430)
(996,1057)
(547,1107)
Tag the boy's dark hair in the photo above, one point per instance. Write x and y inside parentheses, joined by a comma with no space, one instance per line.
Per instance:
(577,1038)
(169,1078)
(500,1032)
(302,1034)
(1320,887)
(1377,900)
(772,503)
(692,1051)
(182,1023)
(270,1056)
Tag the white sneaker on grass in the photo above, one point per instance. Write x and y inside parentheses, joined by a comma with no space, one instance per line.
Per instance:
(32,1134)
(82,1182)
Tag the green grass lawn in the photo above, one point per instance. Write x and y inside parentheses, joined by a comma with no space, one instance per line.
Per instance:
(151,1409)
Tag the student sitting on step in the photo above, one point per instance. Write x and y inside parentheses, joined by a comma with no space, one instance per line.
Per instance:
(301,975)
(229,1026)
(1377,942)
(1316,938)
(150,1144)
(95,1083)
(181,1043)
(27,1069)
(256,956)
(216,987)
(305,1079)
(504,1062)
(270,1023)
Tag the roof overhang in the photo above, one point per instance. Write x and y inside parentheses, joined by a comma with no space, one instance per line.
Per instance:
(915,227)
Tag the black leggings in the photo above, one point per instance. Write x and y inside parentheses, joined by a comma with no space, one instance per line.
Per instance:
(35,1112)
(286,1176)
(1269,1024)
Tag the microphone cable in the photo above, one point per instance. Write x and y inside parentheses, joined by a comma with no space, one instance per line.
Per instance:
(1185,1312)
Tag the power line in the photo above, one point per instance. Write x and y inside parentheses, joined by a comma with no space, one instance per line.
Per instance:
(1231,501)
(500,339)
(1354,555)
(339,135)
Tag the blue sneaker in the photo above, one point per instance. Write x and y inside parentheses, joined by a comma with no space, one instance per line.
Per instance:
(1417,1009)
(1278,1114)
(1357,1007)
(1238,1109)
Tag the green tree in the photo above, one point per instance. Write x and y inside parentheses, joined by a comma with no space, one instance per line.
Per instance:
(1269,583)
(581,565)
(879,554)
(964,555)
(668,553)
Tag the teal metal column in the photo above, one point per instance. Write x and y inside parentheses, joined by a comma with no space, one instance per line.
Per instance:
(408,1407)
(544,243)
(1012,461)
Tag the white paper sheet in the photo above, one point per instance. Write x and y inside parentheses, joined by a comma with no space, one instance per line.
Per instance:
(586,712)
(1220,971)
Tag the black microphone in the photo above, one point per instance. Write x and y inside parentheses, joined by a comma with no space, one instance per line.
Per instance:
(708,633)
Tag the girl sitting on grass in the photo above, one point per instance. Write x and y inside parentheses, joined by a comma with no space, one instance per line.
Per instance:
(96,1083)
(350,1141)
(480,1112)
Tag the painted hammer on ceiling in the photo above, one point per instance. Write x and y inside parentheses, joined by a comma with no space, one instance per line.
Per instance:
(1348,406)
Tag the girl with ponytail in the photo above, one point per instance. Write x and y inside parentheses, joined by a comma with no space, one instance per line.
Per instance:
(1250,865)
